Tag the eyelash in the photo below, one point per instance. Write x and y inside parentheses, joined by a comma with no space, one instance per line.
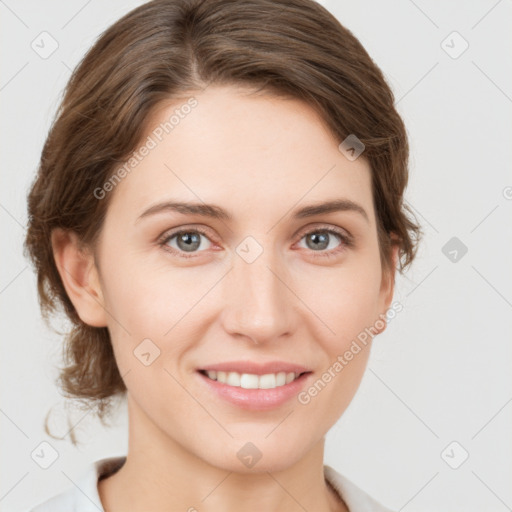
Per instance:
(347,241)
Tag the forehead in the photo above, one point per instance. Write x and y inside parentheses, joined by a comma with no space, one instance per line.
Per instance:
(246,151)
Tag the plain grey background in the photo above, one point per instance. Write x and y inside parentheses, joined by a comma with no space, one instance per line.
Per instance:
(438,385)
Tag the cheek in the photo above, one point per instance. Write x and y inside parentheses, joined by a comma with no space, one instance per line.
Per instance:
(348,304)
(149,296)
(161,304)
(344,300)
(347,308)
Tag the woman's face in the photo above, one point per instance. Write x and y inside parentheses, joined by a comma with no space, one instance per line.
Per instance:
(251,279)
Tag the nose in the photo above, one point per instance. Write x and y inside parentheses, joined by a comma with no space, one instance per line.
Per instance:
(258,303)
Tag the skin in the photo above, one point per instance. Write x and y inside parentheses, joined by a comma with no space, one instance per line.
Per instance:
(260,157)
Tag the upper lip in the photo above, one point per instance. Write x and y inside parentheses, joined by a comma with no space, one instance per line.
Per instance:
(256,368)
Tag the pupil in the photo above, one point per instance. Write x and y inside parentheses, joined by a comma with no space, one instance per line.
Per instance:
(322,239)
(190,245)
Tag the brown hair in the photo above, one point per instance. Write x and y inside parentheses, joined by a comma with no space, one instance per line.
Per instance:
(163,50)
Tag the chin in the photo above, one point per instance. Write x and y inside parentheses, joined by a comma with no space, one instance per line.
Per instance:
(255,454)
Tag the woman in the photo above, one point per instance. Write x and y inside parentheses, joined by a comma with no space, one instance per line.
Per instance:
(219,210)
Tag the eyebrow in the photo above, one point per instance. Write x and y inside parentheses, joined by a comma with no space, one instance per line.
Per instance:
(216,212)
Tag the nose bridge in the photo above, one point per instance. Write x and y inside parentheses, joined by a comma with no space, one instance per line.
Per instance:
(258,302)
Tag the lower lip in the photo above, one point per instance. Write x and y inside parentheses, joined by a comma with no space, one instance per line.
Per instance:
(256,399)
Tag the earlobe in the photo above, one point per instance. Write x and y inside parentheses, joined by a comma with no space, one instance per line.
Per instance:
(79,275)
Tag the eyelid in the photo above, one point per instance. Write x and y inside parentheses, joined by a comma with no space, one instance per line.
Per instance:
(184,229)
(326,227)
(171,233)
(347,239)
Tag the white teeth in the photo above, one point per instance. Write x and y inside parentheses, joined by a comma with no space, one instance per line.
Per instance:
(248,381)
(267,381)
(252,381)
(233,379)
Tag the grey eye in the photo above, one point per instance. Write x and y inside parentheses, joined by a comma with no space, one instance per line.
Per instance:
(319,240)
(187,241)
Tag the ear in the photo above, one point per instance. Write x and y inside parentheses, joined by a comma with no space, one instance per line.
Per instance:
(80,277)
(387,288)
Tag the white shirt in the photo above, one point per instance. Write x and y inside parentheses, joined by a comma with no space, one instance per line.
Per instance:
(84,497)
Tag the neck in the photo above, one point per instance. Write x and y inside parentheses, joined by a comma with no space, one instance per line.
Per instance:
(159,475)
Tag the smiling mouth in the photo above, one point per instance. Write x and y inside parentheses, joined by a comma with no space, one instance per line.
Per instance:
(251,380)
